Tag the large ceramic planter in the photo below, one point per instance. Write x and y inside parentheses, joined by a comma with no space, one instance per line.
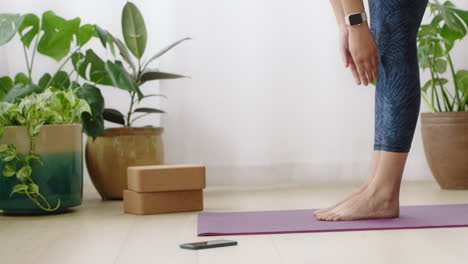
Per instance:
(61,177)
(109,156)
(445,138)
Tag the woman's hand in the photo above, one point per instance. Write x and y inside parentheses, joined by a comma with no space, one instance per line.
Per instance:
(364,53)
(346,54)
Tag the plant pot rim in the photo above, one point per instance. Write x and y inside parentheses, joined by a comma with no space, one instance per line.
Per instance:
(130,131)
(444,114)
(50,126)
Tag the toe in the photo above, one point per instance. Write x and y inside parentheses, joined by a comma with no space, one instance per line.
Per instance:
(329,216)
(321,217)
(319,211)
(337,217)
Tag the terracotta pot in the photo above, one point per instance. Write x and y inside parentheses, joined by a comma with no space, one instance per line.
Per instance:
(109,156)
(61,178)
(445,138)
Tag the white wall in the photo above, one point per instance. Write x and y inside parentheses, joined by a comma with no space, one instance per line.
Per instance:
(269,100)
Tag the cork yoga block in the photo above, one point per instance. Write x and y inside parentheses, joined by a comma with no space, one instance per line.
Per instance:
(162,202)
(160,178)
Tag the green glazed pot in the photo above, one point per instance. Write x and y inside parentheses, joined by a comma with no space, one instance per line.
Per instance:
(61,177)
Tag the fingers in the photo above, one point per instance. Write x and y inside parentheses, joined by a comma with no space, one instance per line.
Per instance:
(369,72)
(353,69)
(362,73)
(375,64)
(344,56)
(374,70)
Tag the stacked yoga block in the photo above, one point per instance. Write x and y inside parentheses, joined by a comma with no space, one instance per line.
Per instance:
(164,189)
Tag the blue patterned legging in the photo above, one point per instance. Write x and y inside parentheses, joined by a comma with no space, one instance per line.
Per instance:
(395,24)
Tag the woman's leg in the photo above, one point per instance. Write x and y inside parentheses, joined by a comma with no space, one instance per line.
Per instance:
(395,24)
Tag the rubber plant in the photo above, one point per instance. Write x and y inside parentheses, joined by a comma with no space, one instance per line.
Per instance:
(131,71)
(26,101)
(435,43)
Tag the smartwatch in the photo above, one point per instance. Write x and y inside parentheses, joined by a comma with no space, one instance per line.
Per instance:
(355,19)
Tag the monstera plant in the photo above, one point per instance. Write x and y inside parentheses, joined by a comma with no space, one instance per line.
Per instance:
(446,93)
(435,43)
(40,130)
(58,39)
(131,146)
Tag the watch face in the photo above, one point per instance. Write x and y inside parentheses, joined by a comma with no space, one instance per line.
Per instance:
(355,19)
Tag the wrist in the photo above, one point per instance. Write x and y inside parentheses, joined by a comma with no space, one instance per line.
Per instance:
(343,28)
(363,26)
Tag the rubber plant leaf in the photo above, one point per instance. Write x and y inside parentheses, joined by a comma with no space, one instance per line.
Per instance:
(134,30)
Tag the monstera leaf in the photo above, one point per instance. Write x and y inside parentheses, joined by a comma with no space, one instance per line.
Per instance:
(31,23)
(58,35)
(455,21)
(8,26)
(93,124)
(20,91)
(91,67)
(6,83)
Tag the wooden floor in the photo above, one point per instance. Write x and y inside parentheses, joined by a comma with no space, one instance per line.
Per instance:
(98,232)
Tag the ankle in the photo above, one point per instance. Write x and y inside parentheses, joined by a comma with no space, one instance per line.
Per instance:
(388,196)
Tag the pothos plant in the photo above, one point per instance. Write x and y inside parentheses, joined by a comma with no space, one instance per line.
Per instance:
(435,42)
(130,74)
(58,39)
(25,101)
(52,106)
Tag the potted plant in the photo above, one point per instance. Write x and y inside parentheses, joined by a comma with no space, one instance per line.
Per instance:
(445,129)
(41,120)
(109,155)
(41,152)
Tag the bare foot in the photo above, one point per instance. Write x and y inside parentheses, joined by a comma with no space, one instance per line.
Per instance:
(366,205)
(373,169)
(320,212)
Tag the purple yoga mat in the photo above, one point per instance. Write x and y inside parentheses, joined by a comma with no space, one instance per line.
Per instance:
(301,221)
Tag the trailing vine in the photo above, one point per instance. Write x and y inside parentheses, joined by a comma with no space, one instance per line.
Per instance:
(33,112)
(26,186)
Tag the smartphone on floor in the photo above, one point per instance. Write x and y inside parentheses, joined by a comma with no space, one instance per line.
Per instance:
(209,244)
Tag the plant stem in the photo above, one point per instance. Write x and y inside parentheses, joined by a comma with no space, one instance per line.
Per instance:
(446,101)
(428,103)
(27,62)
(433,91)
(455,83)
(63,65)
(133,93)
(34,50)
(130,111)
